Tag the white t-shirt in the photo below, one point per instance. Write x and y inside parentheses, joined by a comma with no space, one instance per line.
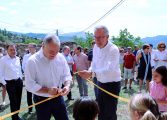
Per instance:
(160,55)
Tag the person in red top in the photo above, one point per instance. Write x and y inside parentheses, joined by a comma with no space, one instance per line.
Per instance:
(129,66)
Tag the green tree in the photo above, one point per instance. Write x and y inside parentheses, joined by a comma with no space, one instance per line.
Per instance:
(2,38)
(30,40)
(4,32)
(84,43)
(125,39)
(8,37)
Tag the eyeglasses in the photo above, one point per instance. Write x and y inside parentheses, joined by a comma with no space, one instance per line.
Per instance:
(162,47)
(99,37)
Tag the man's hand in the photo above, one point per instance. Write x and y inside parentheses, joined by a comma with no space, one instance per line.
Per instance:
(54,91)
(43,90)
(85,74)
(65,91)
(133,71)
(164,60)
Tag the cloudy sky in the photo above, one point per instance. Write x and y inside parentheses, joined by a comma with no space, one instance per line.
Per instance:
(141,17)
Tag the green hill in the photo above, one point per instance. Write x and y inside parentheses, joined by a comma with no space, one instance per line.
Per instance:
(9,37)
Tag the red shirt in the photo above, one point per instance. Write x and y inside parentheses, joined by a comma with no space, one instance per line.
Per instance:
(129,60)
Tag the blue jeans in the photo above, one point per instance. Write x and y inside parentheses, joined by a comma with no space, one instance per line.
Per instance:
(55,107)
(107,103)
(83,87)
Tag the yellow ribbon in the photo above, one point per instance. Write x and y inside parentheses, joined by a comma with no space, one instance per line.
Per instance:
(109,93)
(23,109)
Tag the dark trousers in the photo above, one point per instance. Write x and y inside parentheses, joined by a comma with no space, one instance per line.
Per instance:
(95,88)
(14,90)
(55,107)
(107,103)
(69,96)
(29,100)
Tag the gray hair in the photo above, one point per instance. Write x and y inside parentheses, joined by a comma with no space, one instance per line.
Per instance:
(65,47)
(51,38)
(102,27)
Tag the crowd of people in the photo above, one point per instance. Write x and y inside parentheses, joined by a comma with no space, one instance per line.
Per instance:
(140,64)
(50,72)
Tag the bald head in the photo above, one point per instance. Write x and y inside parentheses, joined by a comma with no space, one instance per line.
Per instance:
(51,46)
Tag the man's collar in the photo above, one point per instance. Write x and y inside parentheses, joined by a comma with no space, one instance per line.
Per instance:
(64,55)
(79,54)
(108,43)
(10,57)
(41,54)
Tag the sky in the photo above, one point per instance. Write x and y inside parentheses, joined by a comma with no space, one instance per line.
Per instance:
(141,17)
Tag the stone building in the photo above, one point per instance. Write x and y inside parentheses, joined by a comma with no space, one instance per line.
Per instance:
(21,48)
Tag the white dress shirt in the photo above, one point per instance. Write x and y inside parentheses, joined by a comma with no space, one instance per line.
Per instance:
(153,52)
(1,55)
(69,59)
(41,72)
(161,55)
(25,59)
(10,68)
(106,63)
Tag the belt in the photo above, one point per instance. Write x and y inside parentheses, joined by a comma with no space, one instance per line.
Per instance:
(110,82)
(40,98)
(14,80)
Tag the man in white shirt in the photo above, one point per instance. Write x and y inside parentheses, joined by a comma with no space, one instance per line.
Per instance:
(3,86)
(105,66)
(70,61)
(1,52)
(11,76)
(45,73)
(32,50)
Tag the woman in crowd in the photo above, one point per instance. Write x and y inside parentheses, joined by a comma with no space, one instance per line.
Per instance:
(158,87)
(144,107)
(161,55)
(144,70)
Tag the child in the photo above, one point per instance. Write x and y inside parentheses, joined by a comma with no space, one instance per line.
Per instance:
(85,109)
(158,87)
(144,107)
